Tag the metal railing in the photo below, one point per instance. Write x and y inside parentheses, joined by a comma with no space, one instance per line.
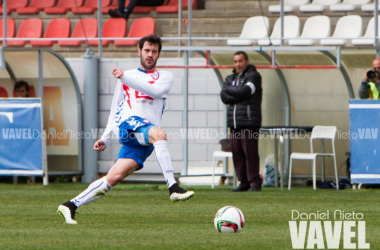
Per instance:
(189,39)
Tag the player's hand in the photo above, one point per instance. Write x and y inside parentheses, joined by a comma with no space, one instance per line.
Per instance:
(99,145)
(118,73)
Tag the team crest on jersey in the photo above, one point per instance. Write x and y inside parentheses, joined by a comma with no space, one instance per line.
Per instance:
(155,75)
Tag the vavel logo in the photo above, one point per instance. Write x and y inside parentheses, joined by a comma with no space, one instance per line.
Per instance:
(328,230)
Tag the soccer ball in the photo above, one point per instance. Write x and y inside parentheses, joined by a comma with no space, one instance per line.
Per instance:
(229,219)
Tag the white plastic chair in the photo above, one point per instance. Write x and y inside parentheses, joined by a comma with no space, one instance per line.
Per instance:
(317,5)
(291,30)
(319,132)
(254,28)
(347,27)
(218,154)
(288,5)
(370,33)
(315,27)
(348,5)
(369,7)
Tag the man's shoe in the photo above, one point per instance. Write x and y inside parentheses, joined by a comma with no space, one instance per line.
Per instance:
(179,194)
(115,13)
(67,211)
(125,15)
(254,189)
(240,188)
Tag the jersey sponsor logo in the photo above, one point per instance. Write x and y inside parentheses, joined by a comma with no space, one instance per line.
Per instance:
(155,75)
(134,123)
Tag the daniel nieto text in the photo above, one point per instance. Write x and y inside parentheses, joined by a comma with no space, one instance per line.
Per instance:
(327,215)
(336,229)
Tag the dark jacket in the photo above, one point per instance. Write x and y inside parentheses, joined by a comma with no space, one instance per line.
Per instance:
(244,108)
(364,89)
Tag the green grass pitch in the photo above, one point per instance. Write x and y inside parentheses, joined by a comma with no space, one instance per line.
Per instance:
(139,216)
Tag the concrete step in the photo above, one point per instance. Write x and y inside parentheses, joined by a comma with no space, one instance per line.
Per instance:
(203,180)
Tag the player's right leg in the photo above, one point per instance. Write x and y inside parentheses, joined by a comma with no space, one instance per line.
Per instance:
(179,194)
(121,169)
(157,137)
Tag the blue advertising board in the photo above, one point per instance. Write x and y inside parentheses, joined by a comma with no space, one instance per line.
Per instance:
(365,141)
(21,136)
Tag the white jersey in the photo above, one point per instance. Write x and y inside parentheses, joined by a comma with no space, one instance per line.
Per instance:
(138,93)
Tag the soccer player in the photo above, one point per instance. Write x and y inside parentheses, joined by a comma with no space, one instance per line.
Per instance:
(136,111)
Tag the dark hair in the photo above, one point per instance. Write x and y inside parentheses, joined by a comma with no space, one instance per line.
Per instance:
(19,84)
(153,39)
(240,52)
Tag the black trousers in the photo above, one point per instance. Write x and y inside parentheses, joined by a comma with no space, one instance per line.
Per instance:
(133,3)
(245,155)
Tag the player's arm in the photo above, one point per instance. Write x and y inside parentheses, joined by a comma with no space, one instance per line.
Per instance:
(159,88)
(105,138)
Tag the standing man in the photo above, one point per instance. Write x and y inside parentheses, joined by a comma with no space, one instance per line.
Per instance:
(370,86)
(242,92)
(135,116)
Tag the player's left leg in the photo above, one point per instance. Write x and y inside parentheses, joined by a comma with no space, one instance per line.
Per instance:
(121,169)
(157,137)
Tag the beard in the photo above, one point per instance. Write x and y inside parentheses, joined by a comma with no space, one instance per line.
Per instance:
(148,67)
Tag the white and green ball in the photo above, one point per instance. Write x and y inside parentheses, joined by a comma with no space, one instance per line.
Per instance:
(229,219)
